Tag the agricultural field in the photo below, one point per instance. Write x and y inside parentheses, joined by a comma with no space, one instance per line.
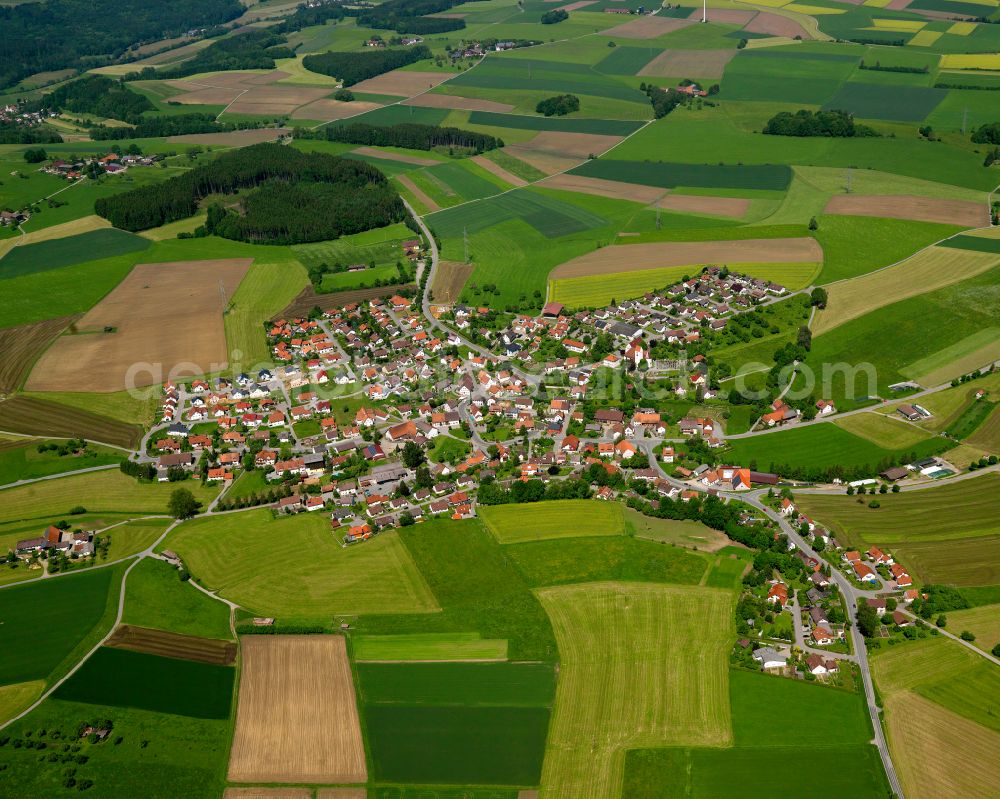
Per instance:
(21,346)
(297,716)
(264,291)
(684,533)
(42,417)
(156,597)
(22,459)
(883,430)
(983,622)
(558,519)
(641,666)
(428,647)
(937,687)
(269,576)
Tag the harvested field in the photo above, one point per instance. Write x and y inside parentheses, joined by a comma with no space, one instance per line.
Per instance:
(458,103)
(926,271)
(327,109)
(701,63)
(419,194)
(342,793)
(401,82)
(606,188)
(924,209)
(21,346)
(173,645)
(635,257)
(939,753)
(648,27)
(235,138)
(373,152)
(499,171)
(297,718)
(542,161)
(40,417)
(163,317)
(260,109)
(449,279)
(776,25)
(727,16)
(576,145)
(642,665)
(210,95)
(269,793)
(309,299)
(735,207)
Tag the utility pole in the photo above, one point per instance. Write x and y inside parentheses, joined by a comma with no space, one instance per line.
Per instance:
(657,217)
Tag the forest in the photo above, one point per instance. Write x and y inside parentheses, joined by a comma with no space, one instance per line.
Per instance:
(176,125)
(351,68)
(406,134)
(62,34)
(99,95)
(409,16)
(294,197)
(254,49)
(14,133)
(837,124)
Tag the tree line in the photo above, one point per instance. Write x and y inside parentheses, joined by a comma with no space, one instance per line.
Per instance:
(254,49)
(410,135)
(409,16)
(351,68)
(62,34)
(178,125)
(836,124)
(300,197)
(14,133)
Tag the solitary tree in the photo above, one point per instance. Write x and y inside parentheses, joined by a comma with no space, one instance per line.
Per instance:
(819,296)
(867,620)
(182,504)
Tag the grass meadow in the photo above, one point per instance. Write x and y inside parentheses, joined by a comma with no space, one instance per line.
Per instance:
(428,647)
(264,291)
(21,460)
(156,597)
(270,565)
(557,519)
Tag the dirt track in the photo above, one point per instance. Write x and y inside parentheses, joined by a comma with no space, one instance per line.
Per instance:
(163,315)
(923,209)
(633,257)
(297,719)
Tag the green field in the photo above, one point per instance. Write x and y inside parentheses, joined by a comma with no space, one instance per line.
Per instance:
(21,460)
(578,560)
(683,532)
(121,678)
(818,446)
(512,524)
(669,175)
(974,243)
(891,432)
(427,647)
(38,637)
(641,666)
(156,597)
(57,253)
(262,294)
(269,566)
(603,127)
(458,684)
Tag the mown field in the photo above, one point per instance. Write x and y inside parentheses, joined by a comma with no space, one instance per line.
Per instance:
(557,519)
(941,699)
(21,460)
(641,666)
(261,563)
(21,346)
(427,647)
(42,417)
(263,292)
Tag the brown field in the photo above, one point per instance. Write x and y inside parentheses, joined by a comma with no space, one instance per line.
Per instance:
(419,194)
(309,299)
(898,5)
(173,645)
(297,718)
(456,102)
(939,753)
(701,63)
(929,269)
(449,278)
(416,160)
(34,416)
(235,138)
(327,109)
(21,346)
(633,257)
(776,25)
(540,160)
(499,171)
(648,27)
(167,316)
(269,793)
(401,83)
(735,207)
(604,188)
(575,145)
(211,95)
(729,16)
(162,44)
(923,209)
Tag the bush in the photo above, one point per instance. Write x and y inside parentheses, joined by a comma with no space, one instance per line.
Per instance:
(560,105)
(552,17)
